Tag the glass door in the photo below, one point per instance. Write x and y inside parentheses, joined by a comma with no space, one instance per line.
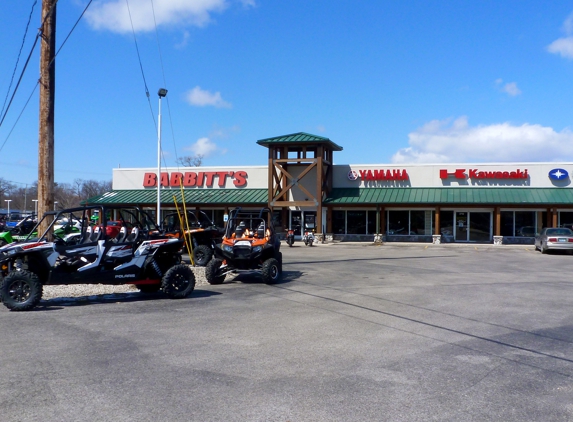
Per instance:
(480,227)
(461,226)
(296,222)
(472,226)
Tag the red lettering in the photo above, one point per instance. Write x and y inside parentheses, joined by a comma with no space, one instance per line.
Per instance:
(362,174)
(190,179)
(175,179)
(379,174)
(149,179)
(200,179)
(209,180)
(222,178)
(240,178)
(164,179)
(460,174)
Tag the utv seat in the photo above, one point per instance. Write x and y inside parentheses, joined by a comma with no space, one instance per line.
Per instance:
(133,236)
(96,234)
(86,236)
(239,231)
(121,236)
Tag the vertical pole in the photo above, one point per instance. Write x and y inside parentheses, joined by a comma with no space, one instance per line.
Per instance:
(161,93)
(46,123)
(159,165)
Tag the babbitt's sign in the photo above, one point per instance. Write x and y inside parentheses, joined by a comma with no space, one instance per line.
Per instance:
(369,175)
(476,174)
(197,179)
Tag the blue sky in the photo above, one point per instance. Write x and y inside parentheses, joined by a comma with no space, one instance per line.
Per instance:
(390,81)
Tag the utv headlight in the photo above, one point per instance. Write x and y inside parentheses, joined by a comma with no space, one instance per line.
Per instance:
(227,248)
(257,249)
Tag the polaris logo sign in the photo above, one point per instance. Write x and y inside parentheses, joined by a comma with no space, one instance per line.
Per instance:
(125,276)
(558,174)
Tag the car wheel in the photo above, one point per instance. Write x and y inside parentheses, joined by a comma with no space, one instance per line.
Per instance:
(21,290)
(202,254)
(211,272)
(271,271)
(178,282)
(148,288)
(543,250)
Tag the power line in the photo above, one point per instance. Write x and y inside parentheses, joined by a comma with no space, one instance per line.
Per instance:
(141,65)
(28,60)
(18,57)
(37,83)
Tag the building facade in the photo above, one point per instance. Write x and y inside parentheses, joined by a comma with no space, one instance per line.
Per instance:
(499,203)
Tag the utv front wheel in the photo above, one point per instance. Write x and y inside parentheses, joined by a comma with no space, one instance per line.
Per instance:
(271,271)
(178,282)
(211,272)
(21,290)
(202,254)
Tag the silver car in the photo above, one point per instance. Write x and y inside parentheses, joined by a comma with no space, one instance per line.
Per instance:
(553,239)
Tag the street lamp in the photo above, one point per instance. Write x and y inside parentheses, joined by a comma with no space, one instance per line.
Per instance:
(8,200)
(35,201)
(162,93)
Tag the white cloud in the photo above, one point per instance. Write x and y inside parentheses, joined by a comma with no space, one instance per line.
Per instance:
(564,46)
(201,98)
(248,3)
(509,88)
(456,141)
(204,147)
(114,15)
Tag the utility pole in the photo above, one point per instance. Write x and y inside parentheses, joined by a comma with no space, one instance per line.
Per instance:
(46,124)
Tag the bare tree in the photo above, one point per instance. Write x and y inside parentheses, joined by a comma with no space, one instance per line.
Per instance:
(191,160)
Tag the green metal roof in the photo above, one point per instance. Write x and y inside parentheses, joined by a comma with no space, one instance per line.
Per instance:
(192,196)
(299,138)
(476,196)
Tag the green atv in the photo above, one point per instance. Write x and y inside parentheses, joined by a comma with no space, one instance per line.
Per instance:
(27,227)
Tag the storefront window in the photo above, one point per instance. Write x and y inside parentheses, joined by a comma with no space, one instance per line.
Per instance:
(338,222)
(371,222)
(415,222)
(566,219)
(398,222)
(518,223)
(525,223)
(356,222)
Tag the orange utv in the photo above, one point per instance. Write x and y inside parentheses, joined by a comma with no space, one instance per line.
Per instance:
(249,244)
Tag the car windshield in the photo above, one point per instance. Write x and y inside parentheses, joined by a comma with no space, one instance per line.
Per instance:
(559,232)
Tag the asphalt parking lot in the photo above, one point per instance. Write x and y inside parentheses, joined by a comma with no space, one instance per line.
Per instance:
(355,332)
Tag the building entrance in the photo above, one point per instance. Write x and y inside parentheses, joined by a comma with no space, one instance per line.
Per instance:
(301,219)
(466,226)
(472,226)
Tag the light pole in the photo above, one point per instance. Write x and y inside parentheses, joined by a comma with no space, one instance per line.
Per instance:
(35,201)
(162,93)
(8,200)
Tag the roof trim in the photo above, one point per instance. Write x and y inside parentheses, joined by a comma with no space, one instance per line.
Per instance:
(192,196)
(450,196)
(299,138)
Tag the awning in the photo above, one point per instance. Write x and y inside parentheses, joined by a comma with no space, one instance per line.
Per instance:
(192,196)
(441,196)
